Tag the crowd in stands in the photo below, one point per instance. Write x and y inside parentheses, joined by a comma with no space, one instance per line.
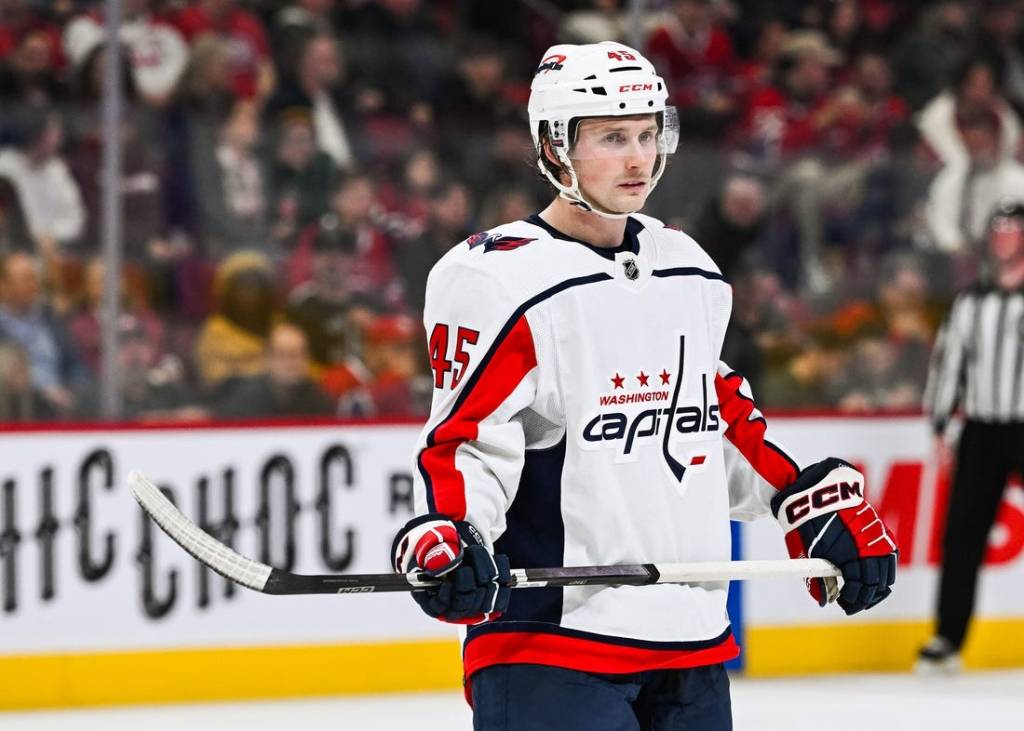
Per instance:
(292,170)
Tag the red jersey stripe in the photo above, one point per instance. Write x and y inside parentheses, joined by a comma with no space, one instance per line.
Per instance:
(747,434)
(494,382)
(592,656)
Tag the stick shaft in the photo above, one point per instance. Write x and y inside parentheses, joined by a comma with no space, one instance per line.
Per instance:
(263,578)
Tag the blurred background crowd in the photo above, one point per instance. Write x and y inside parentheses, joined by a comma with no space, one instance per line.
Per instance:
(292,170)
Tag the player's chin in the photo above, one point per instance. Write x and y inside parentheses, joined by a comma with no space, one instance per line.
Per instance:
(630,199)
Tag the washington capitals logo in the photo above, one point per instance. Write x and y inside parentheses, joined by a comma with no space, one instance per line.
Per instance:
(551,63)
(669,416)
(497,242)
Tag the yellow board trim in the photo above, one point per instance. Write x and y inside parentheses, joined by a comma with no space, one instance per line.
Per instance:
(47,681)
(163,676)
(872,647)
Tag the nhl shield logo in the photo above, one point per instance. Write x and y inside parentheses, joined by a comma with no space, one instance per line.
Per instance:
(631,269)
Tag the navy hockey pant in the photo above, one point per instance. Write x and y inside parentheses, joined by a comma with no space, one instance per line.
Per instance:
(537,697)
(986,456)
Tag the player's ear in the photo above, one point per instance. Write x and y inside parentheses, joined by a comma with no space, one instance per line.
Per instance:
(552,162)
(549,154)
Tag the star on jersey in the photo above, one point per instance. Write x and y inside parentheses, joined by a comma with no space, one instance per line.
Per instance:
(643,378)
(618,381)
(665,376)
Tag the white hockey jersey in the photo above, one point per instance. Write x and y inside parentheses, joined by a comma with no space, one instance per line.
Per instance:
(581,416)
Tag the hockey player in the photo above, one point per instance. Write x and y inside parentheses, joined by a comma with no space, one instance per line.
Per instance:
(581,416)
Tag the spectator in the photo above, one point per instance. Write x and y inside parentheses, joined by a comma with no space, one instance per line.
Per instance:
(306,16)
(503,158)
(395,86)
(733,223)
(845,27)
(926,58)
(906,308)
(741,339)
(318,88)
(203,100)
(1000,34)
(779,122)
(18,19)
(756,72)
(507,204)
(807,379)
(877,378)
(151,388)
(975,91)
(46,190)
(890,337)
(848,130)
(326,308)
(232,341)
(300,178)
(20,400)
(353,216)
(157,51)
(205,88)
(285,389)
(85,323)
(232,188)
(963,196)
(145,230)
(30,59)
(14,233)
(25,319)
(296,22)
(450,211)
(697,58)
(599,20)
(396,386)
(859,118)
(407,202)
(475,95)
(252,71)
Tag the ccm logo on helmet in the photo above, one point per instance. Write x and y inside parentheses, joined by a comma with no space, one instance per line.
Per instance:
(636,87)
(822,497)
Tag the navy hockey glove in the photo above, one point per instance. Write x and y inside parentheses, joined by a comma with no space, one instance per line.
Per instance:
(825,515)
(475,583)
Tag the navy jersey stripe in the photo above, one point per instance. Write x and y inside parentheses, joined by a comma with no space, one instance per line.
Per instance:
(630,239)
(687,272)
(535,533)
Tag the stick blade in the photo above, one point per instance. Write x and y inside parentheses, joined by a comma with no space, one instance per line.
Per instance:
(199,544)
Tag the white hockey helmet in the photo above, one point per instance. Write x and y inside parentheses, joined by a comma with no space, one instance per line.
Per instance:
(604,79)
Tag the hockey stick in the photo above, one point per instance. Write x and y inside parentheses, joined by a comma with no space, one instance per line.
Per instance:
(255,575)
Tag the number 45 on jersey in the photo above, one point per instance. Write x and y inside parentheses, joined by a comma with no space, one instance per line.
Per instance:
(439,361)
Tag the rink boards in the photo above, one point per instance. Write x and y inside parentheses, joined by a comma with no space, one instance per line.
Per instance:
(98,607)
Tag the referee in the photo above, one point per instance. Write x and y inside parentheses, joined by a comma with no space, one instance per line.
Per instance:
(978,364)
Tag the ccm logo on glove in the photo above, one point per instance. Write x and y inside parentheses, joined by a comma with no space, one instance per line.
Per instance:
(847,492)
(825,515)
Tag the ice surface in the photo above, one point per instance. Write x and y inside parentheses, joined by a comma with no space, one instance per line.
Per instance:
(993,701)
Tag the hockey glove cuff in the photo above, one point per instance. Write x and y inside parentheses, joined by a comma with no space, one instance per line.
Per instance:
(824,515)
(475,583)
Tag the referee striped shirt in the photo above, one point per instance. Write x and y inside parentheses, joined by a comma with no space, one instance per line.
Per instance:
(978,360)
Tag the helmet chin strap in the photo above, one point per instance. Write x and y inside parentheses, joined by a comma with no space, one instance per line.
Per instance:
(574,195)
